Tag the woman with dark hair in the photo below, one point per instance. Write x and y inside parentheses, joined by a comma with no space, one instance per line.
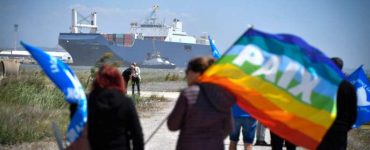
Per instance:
(113,122)
(202,111)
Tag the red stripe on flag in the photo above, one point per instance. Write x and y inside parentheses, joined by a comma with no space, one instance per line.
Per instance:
(276,123)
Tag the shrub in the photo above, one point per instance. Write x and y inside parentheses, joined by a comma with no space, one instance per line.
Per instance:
(173,77)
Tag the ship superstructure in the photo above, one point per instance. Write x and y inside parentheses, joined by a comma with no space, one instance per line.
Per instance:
(170,41)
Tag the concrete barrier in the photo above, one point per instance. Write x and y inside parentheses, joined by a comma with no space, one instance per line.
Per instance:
(9,68)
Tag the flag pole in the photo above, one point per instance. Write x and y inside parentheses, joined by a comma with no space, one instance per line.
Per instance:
(155,131)
(57,135)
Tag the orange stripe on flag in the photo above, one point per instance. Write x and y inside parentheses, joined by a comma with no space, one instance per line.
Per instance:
(277,119)
(274,94)
(281,128)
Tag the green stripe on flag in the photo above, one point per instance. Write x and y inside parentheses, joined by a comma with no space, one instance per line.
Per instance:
(317,100)
(292,51)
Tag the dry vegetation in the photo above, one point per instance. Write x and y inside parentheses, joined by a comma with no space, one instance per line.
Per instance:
(30,102)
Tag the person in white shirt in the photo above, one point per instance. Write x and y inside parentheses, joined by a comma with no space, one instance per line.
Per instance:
(135,78)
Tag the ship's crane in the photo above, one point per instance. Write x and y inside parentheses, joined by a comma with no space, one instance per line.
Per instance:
(152,16)
(77,25)
(150,27)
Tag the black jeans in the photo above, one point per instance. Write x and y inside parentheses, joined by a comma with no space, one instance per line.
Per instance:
(277,143)
(136,81)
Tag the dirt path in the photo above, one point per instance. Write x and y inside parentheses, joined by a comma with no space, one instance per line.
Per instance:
(165,139)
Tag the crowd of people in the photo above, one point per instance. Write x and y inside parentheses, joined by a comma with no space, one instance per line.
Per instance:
(205,114)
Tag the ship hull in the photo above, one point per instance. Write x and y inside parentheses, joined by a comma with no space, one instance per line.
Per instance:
(87,49)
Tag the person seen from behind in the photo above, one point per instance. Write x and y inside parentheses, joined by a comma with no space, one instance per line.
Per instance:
(242,120)
(135,78)
(336,137)
(113,122)
(202,111)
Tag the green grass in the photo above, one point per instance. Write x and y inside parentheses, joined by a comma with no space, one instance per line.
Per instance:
(161,76)
(30,102)
(28,105)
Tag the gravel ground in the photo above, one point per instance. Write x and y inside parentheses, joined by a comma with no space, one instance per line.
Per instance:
(165,139)
(170,86)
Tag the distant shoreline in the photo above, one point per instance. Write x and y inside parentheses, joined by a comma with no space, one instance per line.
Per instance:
(347,71)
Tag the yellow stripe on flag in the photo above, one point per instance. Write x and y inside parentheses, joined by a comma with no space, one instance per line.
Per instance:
(278,97)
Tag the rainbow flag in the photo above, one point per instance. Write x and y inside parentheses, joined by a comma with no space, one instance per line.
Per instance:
(286,84)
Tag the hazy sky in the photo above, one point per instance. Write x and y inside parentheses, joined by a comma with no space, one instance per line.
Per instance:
(337,27)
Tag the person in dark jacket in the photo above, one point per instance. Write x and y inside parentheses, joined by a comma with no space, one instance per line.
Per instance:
(336,137)
(113,122)
(126,74)
(202,112)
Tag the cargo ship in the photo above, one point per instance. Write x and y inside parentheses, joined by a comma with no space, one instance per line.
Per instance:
(143,38)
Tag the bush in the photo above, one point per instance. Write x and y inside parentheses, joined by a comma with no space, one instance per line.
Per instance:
(173,77)
(157,98)
(145,104)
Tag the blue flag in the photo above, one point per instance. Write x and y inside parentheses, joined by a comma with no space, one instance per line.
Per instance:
(215,52)
(65,79)
(362,85)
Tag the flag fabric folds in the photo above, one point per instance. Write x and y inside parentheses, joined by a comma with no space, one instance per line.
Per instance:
(286,84)
(215,53)
(65,79)
(360,81)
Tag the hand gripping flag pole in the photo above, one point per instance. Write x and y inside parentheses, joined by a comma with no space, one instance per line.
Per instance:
(65,79)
